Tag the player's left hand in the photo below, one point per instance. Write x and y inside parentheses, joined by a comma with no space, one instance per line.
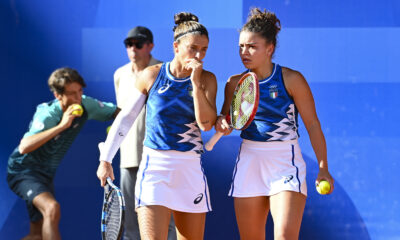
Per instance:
(221,125)
(325,175)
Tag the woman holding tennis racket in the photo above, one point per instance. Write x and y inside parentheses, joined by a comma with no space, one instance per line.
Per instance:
(180,100)
(270,173)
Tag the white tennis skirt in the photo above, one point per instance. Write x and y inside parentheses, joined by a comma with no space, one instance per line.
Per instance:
(172,179)
(268,168)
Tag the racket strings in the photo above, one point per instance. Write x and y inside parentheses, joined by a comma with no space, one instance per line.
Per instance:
(113,216)
(243,103)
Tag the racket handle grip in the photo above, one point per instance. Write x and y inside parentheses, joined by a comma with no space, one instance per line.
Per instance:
(109,181)
(213,140)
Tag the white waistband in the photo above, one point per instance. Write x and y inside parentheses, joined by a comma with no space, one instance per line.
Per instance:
(170,153)
(269,144)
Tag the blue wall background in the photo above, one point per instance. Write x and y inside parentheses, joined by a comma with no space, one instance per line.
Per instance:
(347,50)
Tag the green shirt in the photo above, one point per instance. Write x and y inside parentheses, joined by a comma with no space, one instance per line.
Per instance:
(47,158)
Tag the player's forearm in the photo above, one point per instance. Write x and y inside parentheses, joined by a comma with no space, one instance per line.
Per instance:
(206,113)
(319,145)
(121,126)
(31,143)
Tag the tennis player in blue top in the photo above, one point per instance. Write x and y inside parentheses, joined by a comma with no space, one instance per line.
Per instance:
(33,164)
(180,99)
(270,173)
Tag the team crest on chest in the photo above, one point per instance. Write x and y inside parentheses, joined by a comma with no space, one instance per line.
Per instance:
(190,90)
(273,91)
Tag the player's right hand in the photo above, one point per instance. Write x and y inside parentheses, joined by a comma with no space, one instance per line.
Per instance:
(221,125)
(67,117)
(196,66)
(103,171)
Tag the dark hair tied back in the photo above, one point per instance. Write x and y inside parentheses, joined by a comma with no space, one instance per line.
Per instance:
(184,17)
(264,23)
(187,23)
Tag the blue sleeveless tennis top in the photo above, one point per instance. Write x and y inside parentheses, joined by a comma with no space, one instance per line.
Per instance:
(277,115)
(170,118)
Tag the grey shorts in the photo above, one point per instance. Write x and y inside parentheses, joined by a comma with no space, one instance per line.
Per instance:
(27,187)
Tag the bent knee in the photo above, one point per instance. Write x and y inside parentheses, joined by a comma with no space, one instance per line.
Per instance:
(52,211)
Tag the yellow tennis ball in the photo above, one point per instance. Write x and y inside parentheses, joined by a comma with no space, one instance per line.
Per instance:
(323,187)
(77,110)
(108,129)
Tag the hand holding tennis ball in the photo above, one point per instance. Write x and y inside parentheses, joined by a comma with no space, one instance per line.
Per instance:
(323,187)
(77,110)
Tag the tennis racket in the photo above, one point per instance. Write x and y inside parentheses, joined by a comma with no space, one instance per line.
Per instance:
(243,106)
(113,212)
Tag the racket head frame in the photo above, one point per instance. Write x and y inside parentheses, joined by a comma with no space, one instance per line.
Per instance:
(256,100)
(109,188)
(215,138)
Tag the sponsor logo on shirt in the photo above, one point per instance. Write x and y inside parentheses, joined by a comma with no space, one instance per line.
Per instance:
(190,90)
(163,88)
(198,199)
(288,179)
(38,125)
(30,191)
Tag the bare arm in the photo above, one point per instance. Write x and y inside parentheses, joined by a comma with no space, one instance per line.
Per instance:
(147,78)
(300,91)
(204,102)
(204,94)
(31,143)
(222,125)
